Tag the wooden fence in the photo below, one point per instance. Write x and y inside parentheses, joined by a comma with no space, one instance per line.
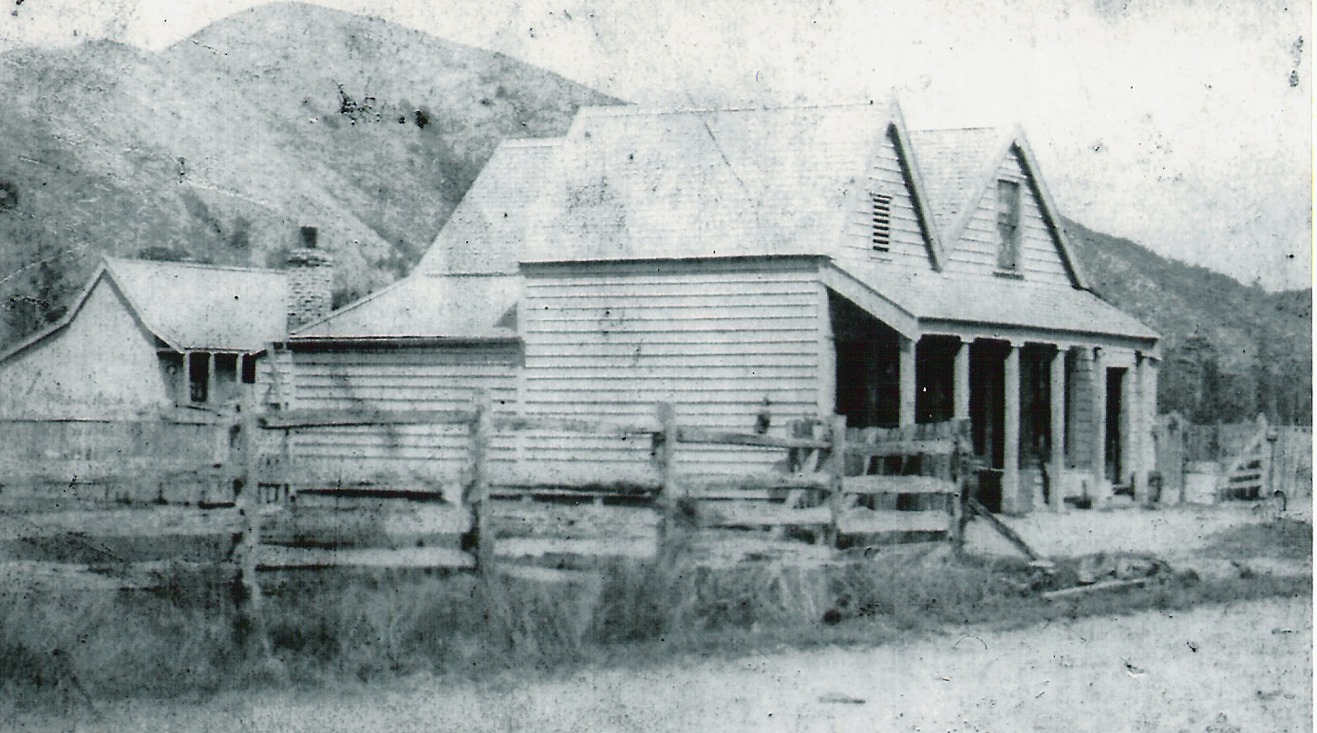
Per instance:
(135,458)
(1241,461)
(838,483)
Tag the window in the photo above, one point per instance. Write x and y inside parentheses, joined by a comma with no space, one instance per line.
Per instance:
(1008,225)
(880,223)
(249,369)
(198,376)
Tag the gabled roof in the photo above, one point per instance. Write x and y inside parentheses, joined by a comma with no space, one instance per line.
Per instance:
(959,166)
(200,307)
(485,232)
(190,307)
(952,162)
(704,183)
(427,306)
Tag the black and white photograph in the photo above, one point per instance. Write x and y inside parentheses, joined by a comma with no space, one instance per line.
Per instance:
(610,366)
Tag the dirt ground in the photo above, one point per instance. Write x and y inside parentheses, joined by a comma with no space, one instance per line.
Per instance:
(1178,534)
(1243,667)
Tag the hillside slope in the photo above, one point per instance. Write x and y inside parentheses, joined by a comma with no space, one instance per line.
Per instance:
(1230,350)
(216,148)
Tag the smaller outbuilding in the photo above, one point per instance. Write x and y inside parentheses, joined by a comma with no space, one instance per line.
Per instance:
(147,335)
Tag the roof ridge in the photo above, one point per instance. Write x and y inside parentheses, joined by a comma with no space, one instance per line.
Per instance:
(196,265)
(531,142)
(638,111)
(968,128)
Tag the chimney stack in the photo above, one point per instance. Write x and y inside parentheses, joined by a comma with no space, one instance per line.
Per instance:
(310,281)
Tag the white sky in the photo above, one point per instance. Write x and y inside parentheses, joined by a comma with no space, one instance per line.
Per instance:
(1172,122)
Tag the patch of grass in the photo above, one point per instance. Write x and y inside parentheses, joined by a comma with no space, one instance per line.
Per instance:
(1284,538)
(329,627)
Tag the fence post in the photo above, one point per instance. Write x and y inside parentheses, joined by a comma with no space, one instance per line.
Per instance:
(837,467)
(477,496)
(960,469)
(247,588)
(665,450)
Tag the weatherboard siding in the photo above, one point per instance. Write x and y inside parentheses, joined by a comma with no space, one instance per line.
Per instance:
(976,251)
(430,378)
(614,341)
(907,246)
(103,363)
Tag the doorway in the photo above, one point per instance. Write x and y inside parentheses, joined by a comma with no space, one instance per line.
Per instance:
(1115,461)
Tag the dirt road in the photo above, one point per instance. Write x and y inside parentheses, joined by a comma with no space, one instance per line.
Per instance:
(1249,662)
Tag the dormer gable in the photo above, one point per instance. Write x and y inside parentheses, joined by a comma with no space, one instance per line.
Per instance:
(1005,224)
(891,220)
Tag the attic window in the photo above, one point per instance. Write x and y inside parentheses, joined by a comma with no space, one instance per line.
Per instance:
(1008,225)
(880,222)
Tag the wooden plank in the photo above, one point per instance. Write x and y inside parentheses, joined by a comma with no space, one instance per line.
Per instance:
(936,447)
(700,435)
(1083,589)
(702,485)
(477,496)
(1010,535)
(864,521)
(75,473)
(898,485)
(270,557)
(665,460)
(759,515)
(594,427)
(342,418)
(622,479)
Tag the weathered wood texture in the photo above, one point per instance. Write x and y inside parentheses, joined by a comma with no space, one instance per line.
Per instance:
(135,458)
(976,253)
(613,340)
(103,362)
(368,389)
(886,175)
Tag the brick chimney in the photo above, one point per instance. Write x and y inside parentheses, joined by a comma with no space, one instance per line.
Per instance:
(310,281)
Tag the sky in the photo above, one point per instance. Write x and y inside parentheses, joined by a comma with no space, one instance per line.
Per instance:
(1185,125)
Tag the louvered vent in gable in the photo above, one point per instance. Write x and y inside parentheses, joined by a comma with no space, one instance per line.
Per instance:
(880,223)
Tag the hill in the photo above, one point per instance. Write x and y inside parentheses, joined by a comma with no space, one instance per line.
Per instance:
(215,149)
(1230,350)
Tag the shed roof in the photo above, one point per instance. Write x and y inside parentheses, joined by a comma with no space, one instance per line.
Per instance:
(428,306)
(935,297)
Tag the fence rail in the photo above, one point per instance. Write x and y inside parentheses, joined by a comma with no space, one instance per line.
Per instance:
(836,482)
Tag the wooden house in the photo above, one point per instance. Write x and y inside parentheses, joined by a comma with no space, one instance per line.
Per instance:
(804,260)
(145,335)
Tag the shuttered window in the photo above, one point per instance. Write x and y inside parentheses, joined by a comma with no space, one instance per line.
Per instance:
(1008,225)
(880,223)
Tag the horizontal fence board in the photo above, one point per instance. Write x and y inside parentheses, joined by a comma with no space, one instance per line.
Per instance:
(726,487)
(902,448)
(564,425)
(898,485)
(764,515)
(866,521)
